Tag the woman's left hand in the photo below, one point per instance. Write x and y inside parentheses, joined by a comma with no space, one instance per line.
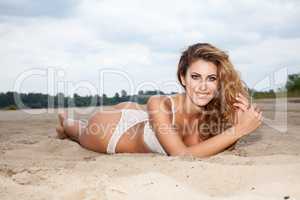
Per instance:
(243,105)
(243,102)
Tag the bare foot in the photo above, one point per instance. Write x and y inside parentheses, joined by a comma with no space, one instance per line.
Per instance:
(62,116)
(60,132)
(60,129)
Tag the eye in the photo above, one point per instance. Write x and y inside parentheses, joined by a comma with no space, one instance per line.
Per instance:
(212,78)
(194,76)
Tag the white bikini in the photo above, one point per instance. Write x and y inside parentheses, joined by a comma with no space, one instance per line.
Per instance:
(131,117)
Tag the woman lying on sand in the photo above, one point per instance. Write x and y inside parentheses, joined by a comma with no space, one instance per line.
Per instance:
(209,117)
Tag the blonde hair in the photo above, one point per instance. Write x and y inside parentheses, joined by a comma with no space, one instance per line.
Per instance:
(220,110)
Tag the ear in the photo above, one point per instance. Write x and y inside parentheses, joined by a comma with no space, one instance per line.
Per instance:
(182,78)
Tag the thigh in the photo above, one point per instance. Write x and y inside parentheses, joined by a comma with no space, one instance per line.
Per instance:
(99,130)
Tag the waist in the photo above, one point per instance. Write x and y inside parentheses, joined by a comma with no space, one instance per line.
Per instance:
(151,140)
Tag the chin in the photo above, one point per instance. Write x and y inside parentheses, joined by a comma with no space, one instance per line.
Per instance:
(202,101)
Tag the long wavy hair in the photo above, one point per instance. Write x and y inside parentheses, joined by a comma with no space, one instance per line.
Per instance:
(219,113)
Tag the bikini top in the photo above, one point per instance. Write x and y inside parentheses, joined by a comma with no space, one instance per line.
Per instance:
(173,110)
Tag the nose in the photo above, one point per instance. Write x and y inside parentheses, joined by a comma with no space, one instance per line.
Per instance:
(202,86)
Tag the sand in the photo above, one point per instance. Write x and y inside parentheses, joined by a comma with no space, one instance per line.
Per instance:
(34,164)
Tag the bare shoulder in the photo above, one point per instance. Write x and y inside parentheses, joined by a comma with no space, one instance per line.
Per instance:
(160,119)
(159,102)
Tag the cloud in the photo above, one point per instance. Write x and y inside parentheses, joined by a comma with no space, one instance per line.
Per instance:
(31,8)
(145,38)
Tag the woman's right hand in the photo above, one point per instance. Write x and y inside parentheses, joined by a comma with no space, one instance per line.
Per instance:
(249,117)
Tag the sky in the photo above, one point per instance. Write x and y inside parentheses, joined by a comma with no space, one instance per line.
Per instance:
(104,46)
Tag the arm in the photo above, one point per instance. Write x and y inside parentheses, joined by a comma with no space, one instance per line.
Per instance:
(160,119)
(247,119)
(215,144)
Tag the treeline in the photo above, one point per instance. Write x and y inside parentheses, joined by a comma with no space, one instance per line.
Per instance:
(291,89)
(13,100)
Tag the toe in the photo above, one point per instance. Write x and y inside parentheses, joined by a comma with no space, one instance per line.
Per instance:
(61,117)
(60,132)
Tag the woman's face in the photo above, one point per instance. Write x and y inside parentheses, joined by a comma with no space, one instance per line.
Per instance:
(201,82)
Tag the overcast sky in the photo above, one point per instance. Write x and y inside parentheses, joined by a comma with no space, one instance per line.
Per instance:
(74,40)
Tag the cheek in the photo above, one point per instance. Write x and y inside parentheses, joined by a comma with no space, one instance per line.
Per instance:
(213,87)
(192,84)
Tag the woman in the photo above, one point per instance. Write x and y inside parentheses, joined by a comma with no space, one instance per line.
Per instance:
(210,116)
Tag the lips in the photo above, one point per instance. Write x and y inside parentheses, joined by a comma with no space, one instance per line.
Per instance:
(202,95)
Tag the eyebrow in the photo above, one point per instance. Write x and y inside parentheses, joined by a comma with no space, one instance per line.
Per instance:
(207,75)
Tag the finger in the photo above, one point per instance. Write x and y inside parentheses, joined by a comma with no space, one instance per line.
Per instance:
(257,109)
(260,116)
(244,98)
(242,101)
(252,107)
(241,106)
(256,114)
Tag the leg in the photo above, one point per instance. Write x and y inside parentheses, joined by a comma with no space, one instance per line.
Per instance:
(60,128)
(73,129)
(69,128)
(97,132)
(100,128)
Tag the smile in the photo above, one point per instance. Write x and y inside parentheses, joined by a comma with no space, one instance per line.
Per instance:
(202,95)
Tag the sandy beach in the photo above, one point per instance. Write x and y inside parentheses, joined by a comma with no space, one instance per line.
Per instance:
(34,164)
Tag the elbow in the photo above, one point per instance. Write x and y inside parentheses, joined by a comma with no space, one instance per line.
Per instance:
(187,152)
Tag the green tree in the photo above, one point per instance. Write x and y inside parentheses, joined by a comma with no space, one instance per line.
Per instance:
(293,83)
